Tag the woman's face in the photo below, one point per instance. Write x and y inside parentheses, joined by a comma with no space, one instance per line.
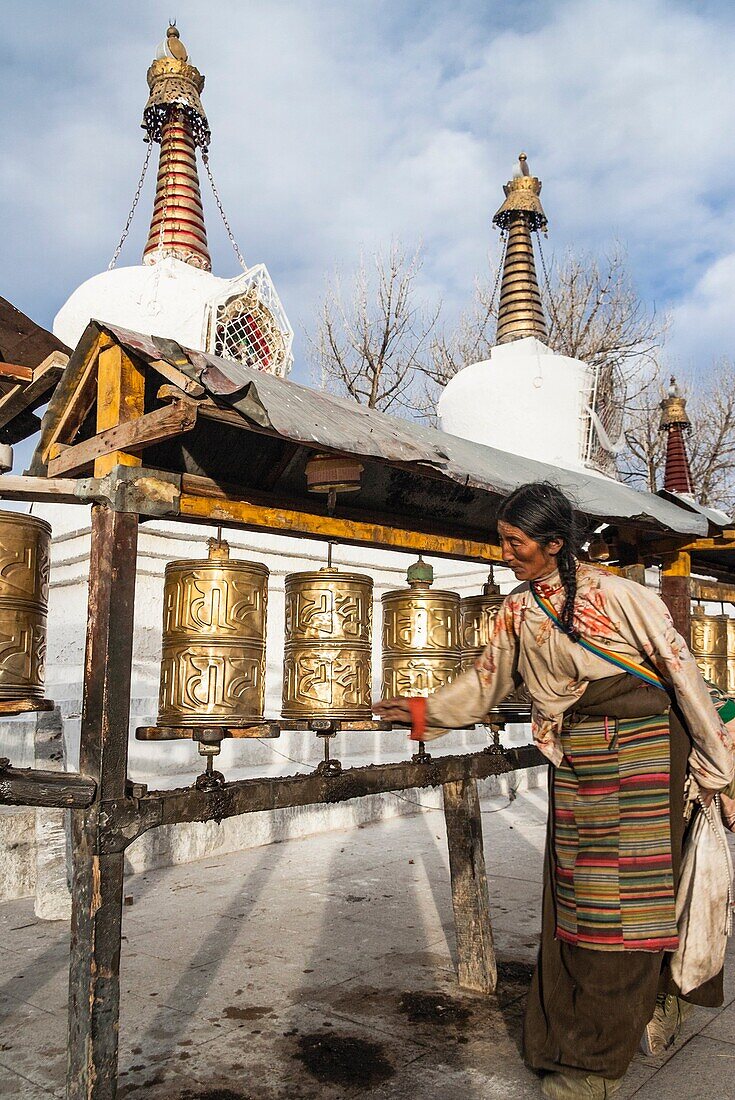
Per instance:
(528,559)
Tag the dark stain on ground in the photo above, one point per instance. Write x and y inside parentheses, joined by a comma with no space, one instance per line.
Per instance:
(433,1008)
(517,972)
(344,1060)
(255,1012)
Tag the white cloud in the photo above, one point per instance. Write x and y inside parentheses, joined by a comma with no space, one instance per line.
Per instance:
(704,320)
(338,126)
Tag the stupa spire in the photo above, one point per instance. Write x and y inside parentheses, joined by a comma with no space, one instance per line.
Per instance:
(520,312)
(676,424)
(174,117)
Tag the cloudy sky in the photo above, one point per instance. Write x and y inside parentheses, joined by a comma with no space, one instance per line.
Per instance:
(337,126)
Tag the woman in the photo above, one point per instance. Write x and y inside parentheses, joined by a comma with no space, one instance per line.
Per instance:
(619,752)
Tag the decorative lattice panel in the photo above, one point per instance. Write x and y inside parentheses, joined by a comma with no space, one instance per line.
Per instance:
(250,326)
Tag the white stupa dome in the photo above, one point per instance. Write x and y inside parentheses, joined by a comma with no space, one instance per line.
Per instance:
(169,298)
(526,400)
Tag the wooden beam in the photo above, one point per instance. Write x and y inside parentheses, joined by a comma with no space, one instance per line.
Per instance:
(131,438)
(177,378)
(30,396)
(290,521)
(710,545)
(129,819)
(54,490)
(35,787)
(675,579)
(120,399)
(15,373)
(476,965)
(79,400)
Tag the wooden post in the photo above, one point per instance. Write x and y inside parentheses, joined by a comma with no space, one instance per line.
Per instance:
(475,949)
(97,881)
(120,393)
(675,590)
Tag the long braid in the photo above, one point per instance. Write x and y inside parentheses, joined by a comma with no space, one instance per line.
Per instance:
(567,566)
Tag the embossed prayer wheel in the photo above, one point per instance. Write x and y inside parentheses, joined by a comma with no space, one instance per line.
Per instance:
(477,618)
(709,646)
(25,562)
(731,657)
(327,667)
(421,640)
(213,661)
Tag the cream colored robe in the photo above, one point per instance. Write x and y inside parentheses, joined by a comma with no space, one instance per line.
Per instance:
(611,611)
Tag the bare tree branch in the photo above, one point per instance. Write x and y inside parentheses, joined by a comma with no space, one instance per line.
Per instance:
(373,343)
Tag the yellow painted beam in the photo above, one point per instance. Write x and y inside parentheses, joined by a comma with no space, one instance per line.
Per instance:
(287,521)
(709,545)
(120,399)
(677,565)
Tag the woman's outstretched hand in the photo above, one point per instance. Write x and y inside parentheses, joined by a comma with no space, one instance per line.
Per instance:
(394,710)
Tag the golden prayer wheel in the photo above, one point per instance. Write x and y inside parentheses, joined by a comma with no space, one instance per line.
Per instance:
(327,667)
(709,646)
(731,657)
(421,640)
(213,661)
(477,619)
(25,564)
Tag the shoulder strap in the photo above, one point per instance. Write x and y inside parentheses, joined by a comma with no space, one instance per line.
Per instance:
(623,663)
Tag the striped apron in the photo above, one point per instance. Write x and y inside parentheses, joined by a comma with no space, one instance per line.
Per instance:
(612,836)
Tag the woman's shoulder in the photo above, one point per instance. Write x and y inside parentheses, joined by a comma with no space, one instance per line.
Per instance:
(597,582)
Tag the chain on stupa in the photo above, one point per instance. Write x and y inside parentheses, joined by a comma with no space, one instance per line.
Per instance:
(520,312)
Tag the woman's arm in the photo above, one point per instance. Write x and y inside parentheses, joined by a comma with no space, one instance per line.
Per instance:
(645,620)
(468,698)
(471,695)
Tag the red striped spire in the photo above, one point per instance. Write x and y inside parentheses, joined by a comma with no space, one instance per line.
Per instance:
(676,424)
(175,118)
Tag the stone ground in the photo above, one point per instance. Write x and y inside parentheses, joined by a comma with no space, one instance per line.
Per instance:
(321,968)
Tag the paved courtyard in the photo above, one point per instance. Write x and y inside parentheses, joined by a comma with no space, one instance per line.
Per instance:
(321,968)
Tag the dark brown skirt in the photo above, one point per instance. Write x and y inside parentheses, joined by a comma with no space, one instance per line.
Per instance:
(587,1009)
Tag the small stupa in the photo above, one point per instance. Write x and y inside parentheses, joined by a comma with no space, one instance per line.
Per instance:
(677,425)
(173,292)
(525,399)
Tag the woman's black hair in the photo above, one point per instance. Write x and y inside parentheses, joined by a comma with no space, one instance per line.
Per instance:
(543,513)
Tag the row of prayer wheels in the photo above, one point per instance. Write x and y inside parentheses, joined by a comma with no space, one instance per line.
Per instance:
(214,630)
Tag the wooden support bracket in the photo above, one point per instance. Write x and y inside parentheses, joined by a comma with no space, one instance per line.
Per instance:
(132,437)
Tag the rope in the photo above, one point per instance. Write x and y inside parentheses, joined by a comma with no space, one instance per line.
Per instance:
(218,200)
(131,215)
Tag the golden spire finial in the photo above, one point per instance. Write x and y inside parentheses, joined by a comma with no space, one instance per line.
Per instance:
(176,47)
(174,117)
(674,409)
(520,313)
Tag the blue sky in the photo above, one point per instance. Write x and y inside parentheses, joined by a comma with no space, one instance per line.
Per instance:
(338,126)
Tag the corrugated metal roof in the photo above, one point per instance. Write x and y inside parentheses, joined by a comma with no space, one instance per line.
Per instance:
(321,420)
